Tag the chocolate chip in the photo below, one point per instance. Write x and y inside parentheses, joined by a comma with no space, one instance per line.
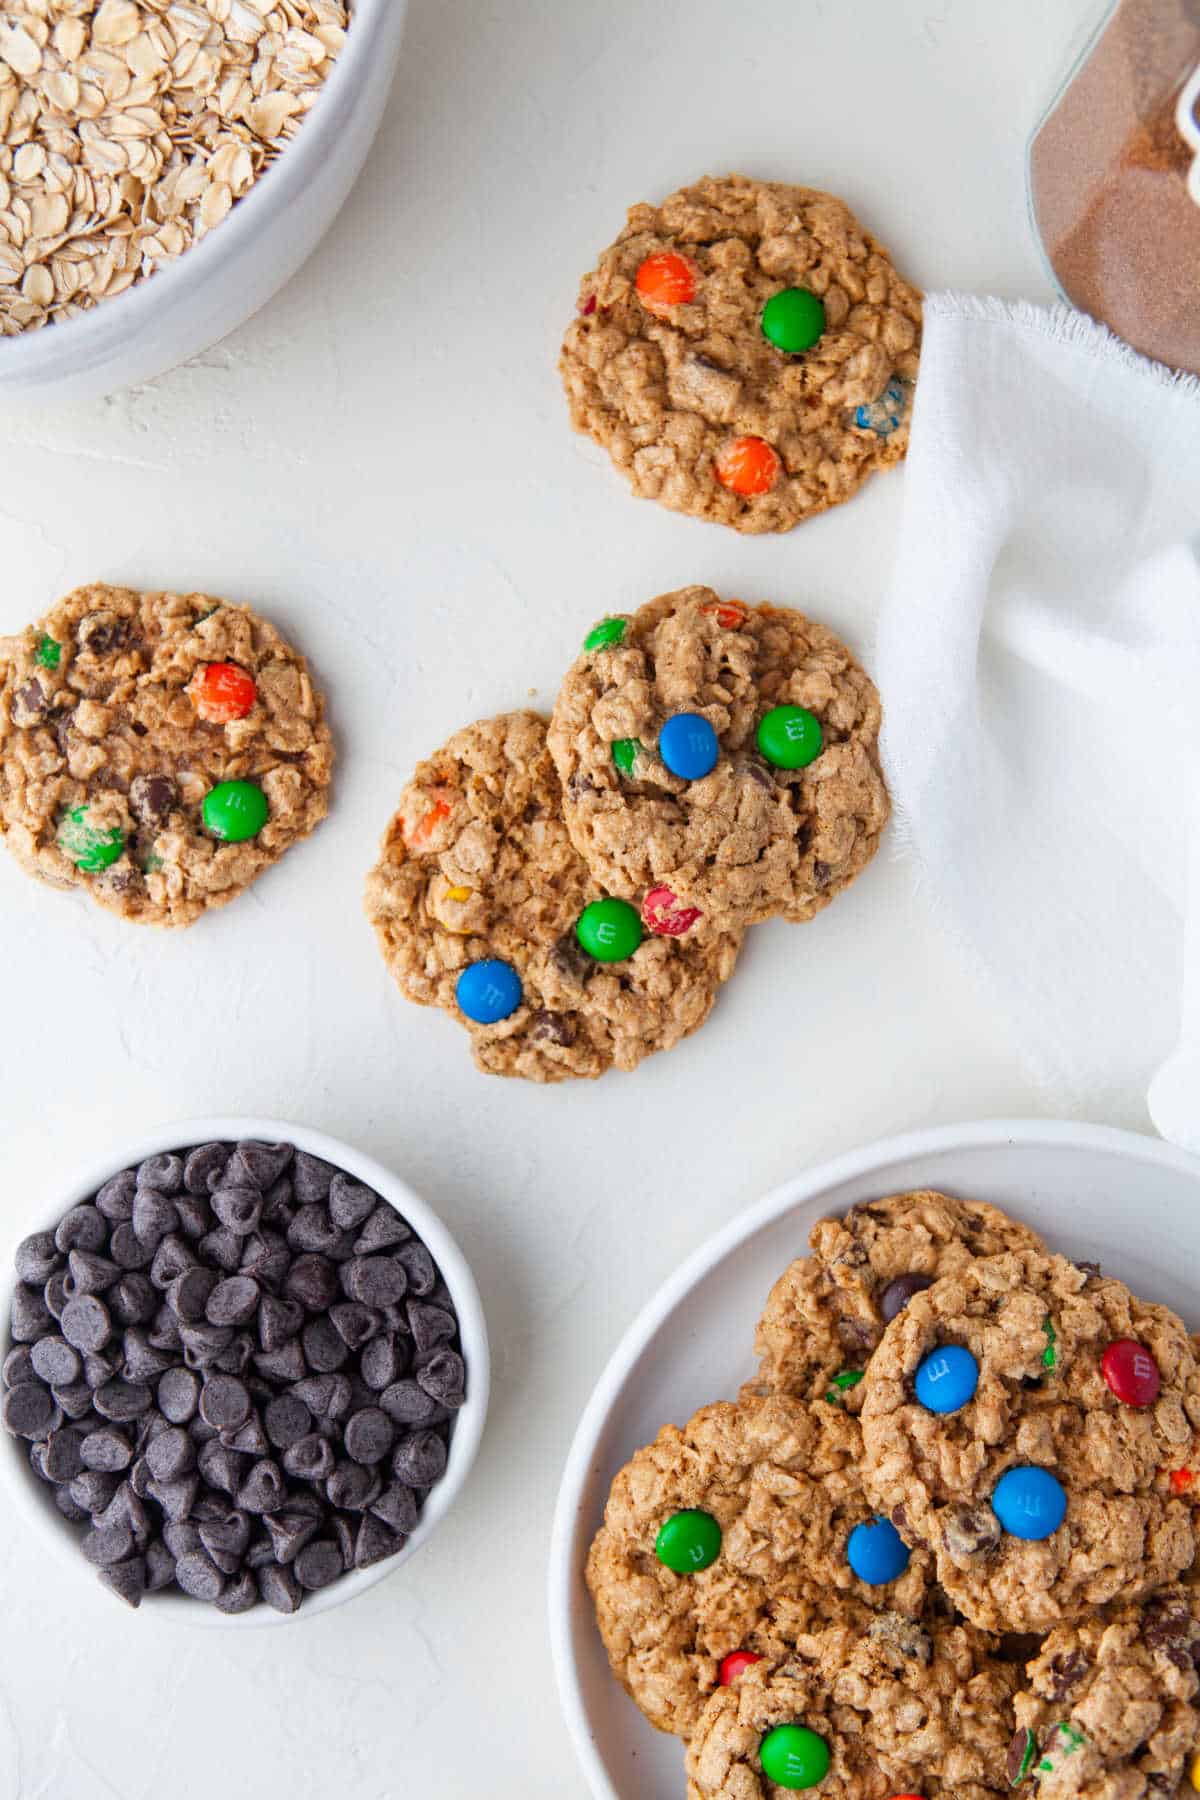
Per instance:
(279,1588)
(202,1344)
(263,1489)
(260,1164)
(352,1486)
(29,704)
(106,1450)
(443,1378)
(1090,1269)
(132,1300)
(18,1366)
(127,1249)
(86,1323)
(224,1248)
(383,1361)
(143,1360)
(172,1258)
(571,960)
(199,1576)
(409,1404)
(1021,1751)
(99,633)
(384,1229)
(37,1258)
(61,1455)
(351,1203)
(376,1281)
(83,1228)
(109,1544)
(239,1208)
(857,1334)
(222,1467)
(115,1198)
(319,1563)
(760,773)
(822,872)
(121,1401)
(374,1542)
(170,1455)
(54,1361)
(163,1173)
(283,1365)
(91,1274)
(970,1531)
(204,1166)
(313,1281)
(549,1027)
(310,1458)
(152,798)
(899,1291)
(289,1532)
(1066,1672)
(189,1293)
(224,1402)
(419,1459)
(398,1507)
(233,1302)
(226,1539)
(326,1396)
(369,1435)
(903,1636)
(286,1420)
(419,1267)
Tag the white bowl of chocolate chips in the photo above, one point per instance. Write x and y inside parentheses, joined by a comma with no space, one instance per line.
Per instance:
(246,1373)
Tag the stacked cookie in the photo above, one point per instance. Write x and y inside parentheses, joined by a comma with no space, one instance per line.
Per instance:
(942,1545)
(576,892)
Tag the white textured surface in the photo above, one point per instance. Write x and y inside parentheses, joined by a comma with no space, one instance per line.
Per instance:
(381,463)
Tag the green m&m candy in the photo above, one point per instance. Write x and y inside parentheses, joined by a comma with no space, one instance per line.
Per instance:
(624,754)
(90,847)
(792,1756)
(608,631)
(235,810)
(793,320)
(790,737)
(49,653)
(688,1541)
(609,930)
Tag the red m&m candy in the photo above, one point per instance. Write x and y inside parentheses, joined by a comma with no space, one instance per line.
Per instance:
(1131,1372)
(1181,1480)
(663,915)
(730,614)
(735,1665)
(221,692)
(666,280)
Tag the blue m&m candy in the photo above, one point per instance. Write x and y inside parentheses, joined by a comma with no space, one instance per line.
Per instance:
(688,745)
(876,1552)
(947,1379)
(1029,1503)
(488,991)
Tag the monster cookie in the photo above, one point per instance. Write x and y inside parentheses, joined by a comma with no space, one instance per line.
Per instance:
(861,1712)
(1033,1424)
(827,1312)
(157,750)
(1111,1709)
(719,761)
(723,1541)
(745,352)
(482,906)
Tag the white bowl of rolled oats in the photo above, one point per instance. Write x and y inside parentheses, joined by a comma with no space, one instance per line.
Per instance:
(165,166)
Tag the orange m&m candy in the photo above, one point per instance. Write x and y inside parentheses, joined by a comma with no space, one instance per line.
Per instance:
(747,465)
(429,821)
(221,692)
(666,280)
(1181,1480)
(729,613)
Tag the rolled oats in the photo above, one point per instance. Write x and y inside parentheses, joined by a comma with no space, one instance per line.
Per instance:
(130,128)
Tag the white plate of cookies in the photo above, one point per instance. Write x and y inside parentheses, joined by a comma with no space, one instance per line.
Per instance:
(921,1522)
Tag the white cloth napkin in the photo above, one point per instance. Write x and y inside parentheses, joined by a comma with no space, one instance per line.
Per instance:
(1039,658)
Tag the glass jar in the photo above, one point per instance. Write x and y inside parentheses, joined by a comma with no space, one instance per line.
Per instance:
(1114,179)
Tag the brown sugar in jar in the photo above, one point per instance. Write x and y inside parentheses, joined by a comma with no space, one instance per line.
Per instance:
(1108,182)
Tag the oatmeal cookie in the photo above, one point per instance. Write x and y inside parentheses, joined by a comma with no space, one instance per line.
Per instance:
(791,804)
(774,1484)
(827,1312)
(157,750)
(745,352)
(1031,1422)
(1111,1710)
(478,883)
(896,1705)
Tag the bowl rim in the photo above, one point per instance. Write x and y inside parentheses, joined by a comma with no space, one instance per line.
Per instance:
(85,341)
(569,1523)
(30,1497)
